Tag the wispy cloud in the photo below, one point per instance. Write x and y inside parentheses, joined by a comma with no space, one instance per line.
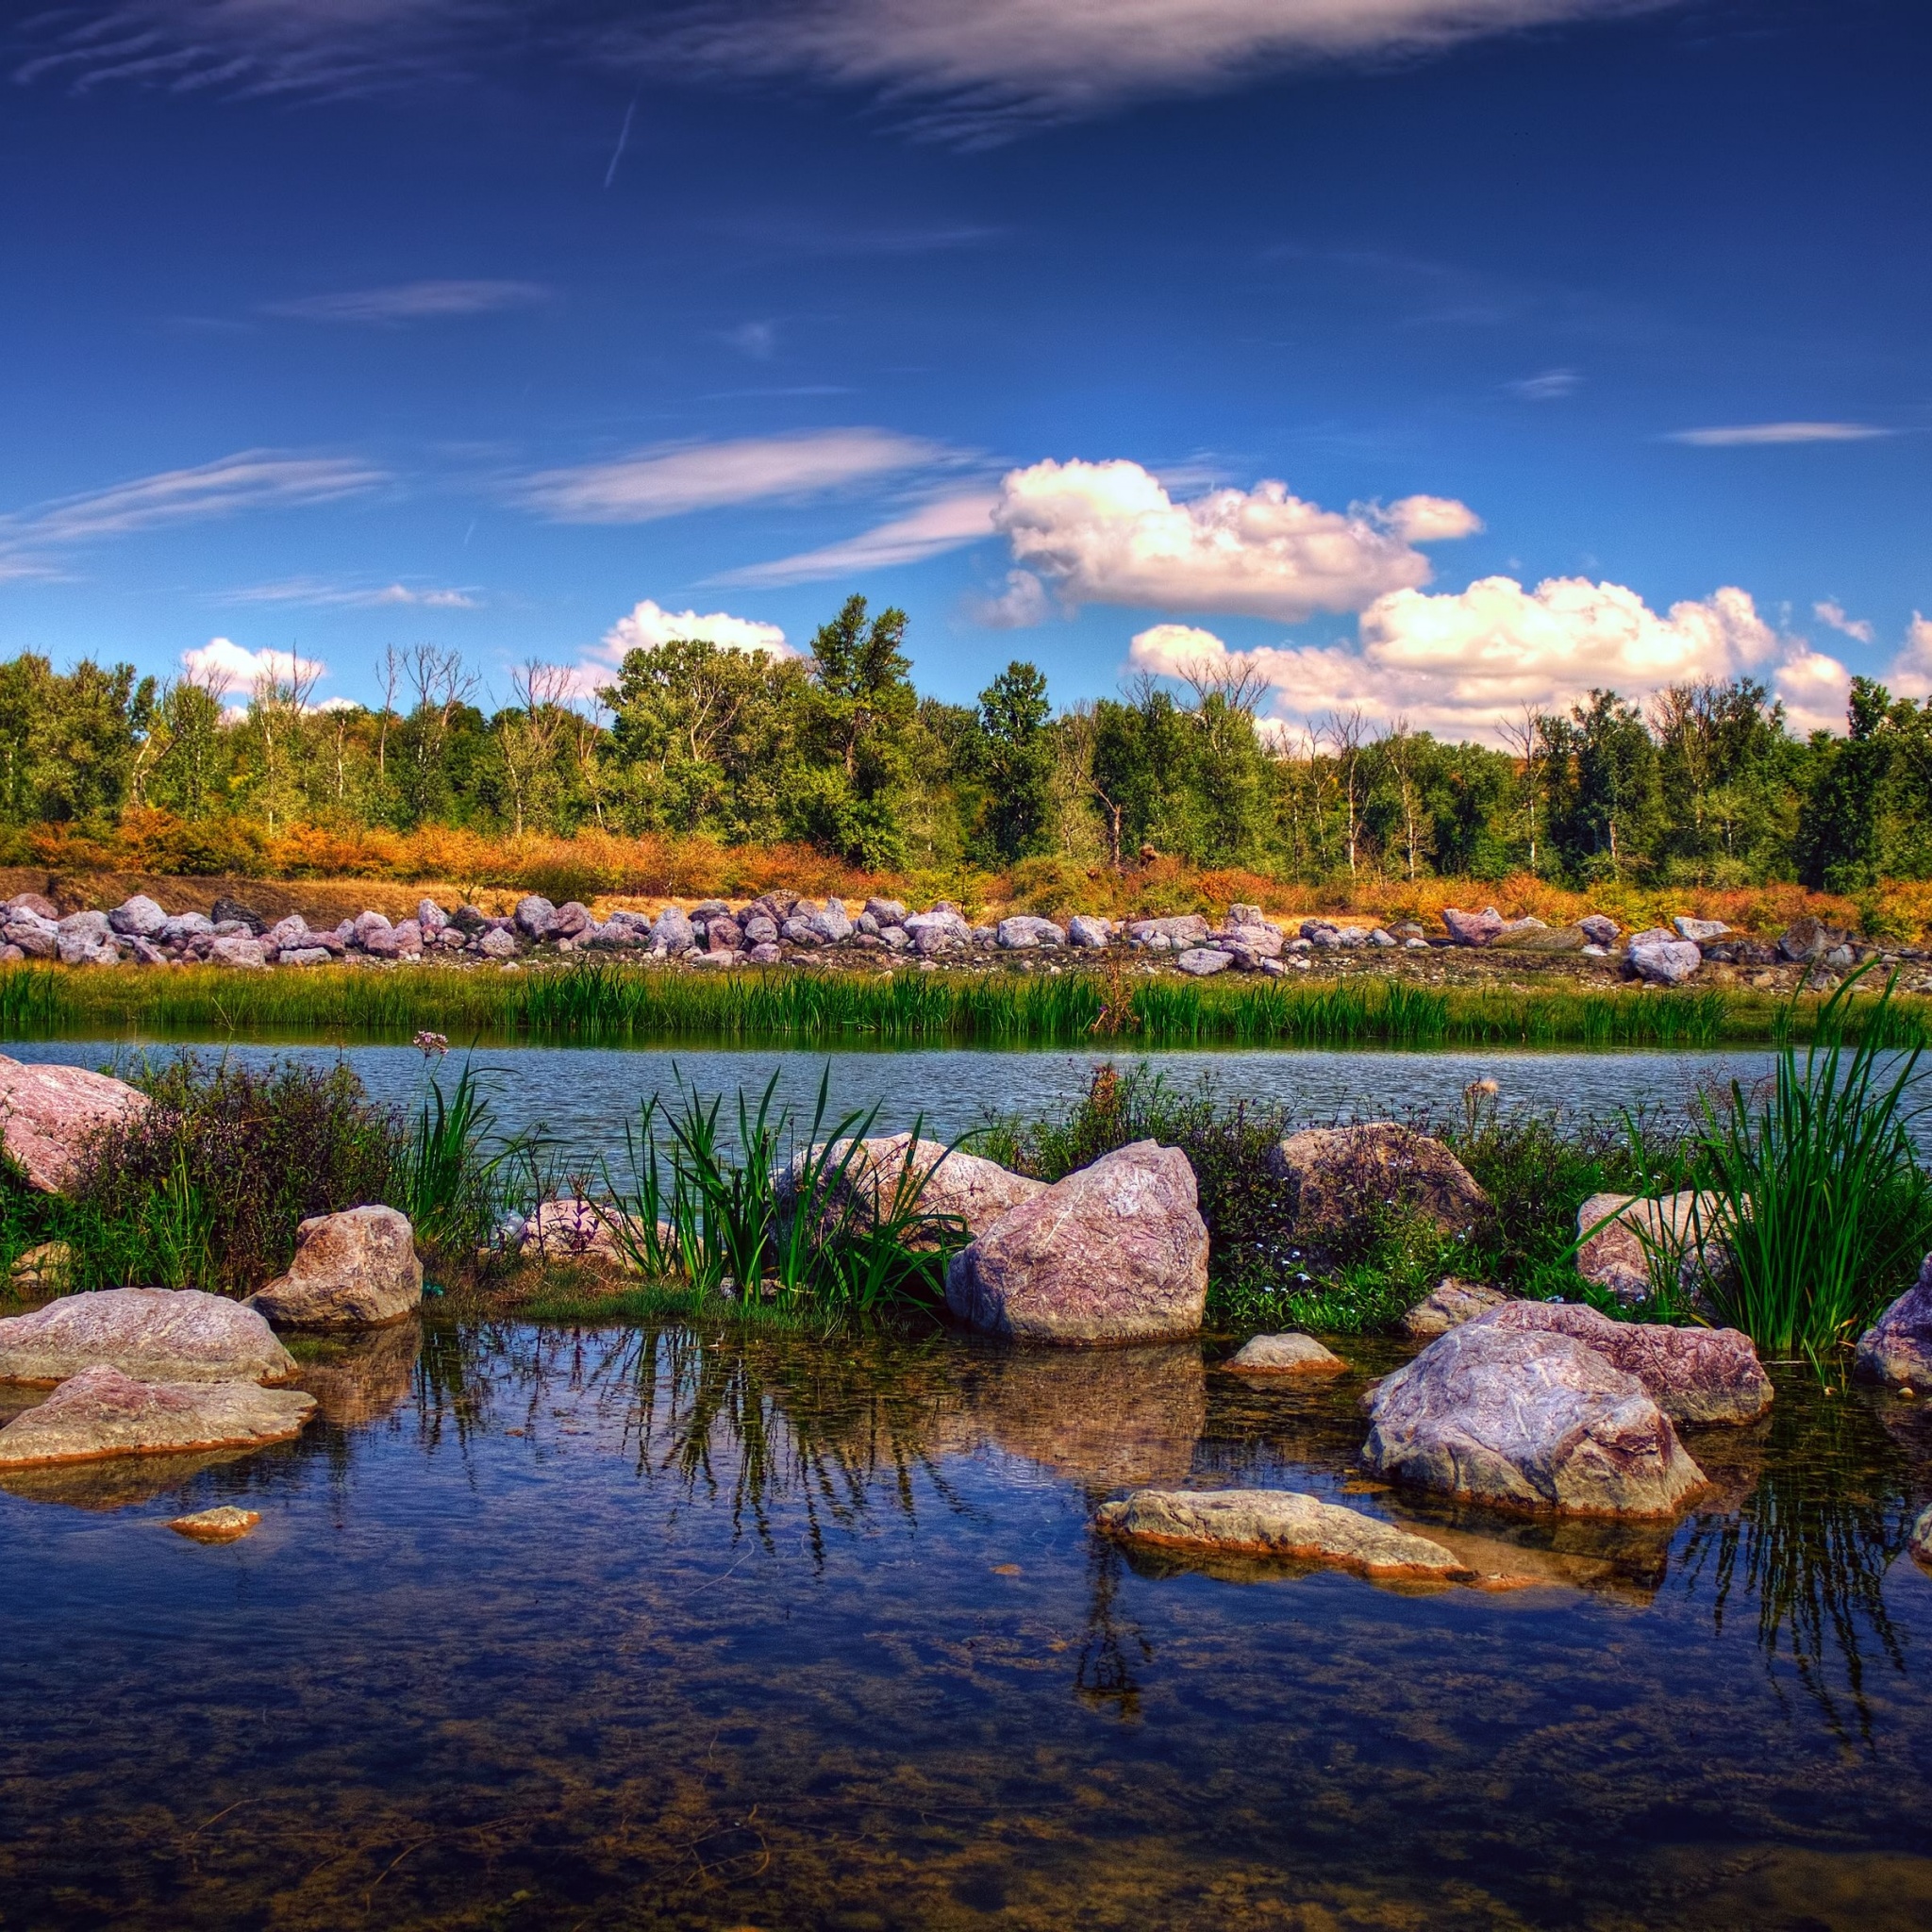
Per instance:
(1752,435)
(319,591)
(1550,387)
(670,482)
(1830,611)
(405,302)
(948,523)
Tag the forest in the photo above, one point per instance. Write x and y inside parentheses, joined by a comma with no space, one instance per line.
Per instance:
(1704,785)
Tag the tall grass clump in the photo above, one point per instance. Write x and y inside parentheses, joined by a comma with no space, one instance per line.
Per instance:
(453,1173)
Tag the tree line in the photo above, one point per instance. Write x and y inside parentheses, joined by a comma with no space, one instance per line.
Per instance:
(1705,784)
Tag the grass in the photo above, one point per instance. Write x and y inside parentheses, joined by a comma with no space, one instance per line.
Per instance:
(600,1004)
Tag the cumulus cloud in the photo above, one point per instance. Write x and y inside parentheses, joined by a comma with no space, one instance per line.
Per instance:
(1832,612)
(1756,435)
(1912,670)
(412,301)
(948,523)
(221,661)
(1109,533)
(650,624)
(1173,650)
(670,482)
(1815,690)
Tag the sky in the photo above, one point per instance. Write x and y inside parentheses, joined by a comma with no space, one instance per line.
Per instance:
(1434,358)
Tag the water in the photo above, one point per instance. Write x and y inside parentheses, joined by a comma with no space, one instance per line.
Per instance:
(570,1628)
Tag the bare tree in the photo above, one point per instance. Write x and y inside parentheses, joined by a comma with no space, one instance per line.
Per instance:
(1235,680)
(391,678)
(526,737)
(1397,746)
(1346,731)
(441,684)
(1525,740)
(278,713)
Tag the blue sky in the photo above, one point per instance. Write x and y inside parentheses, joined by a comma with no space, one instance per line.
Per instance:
(1435,356)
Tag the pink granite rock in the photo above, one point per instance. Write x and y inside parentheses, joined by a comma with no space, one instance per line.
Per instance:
(966,1188)
(1898,1346)
(354,1269)
(46,1112)
(157,1334)
(101,1413)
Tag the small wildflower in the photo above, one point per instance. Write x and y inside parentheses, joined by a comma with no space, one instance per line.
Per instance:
(432,1045)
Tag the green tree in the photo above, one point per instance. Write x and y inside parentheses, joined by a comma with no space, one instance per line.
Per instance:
(1016,758)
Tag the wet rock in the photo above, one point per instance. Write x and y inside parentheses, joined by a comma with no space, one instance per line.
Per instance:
(1202,961)
(1117,1252)
(242,955)
(353,1270)
(1284,1355)
(1664,962)
(1333,1169)
(1898,1346)
(47,1113)
(1529,1419)
(1448,1305)
(1281,1524)
(966,1188)
(1473,929)
(101,1413)
(1699,930)
(534,915)
(138,917)
(1615,1255)
(158,1333)
(223,1525)
(1697,1376)
(1083,930)
(1023,931)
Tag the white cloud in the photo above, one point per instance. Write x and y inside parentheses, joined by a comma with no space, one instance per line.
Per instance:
(1815,690)
(1757,435)
(1550,387)
(1832,612)
(1109,533)
(650,624)
(224,659)
(1911,670)
(946,524)
(1023,604)
(319,591)
(412,302)
(670,482)
(1172,650)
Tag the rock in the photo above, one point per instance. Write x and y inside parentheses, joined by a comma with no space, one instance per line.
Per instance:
(43,1268)
(1202,960)
(1281,1524)
(1117,1252)
(570,1227)
(37,903)
(533,916)
(353,1270)
(497,944)
(1615,1257)
(1174,935)
(37,941)
(1024,930)
(1448,1305)
(1333,1169)
(1665,962)
(154,1334)
(1920,1543)
(722,936)
(569,920)
(1519,929)
(1806,940)
(240,954)
(224,1525)
(1697,1376)
(1600,929)
(886,912)
(1529,1419)
(760,929)
(1082,930)
(431,917)
(226,910)
(103,1412)
(832,924)
(1898,1346)
(965,1187)
(469,920)
(1698,930)
(1284,1355)
(85,925)
(1473,929)
(138,917)
(145,952)
(48,1112)
(1543,939)
(672,934)
(1239,914)
(940,930)
(766,954)
(1251,944)
(291,931)
(303,955)
(77,949)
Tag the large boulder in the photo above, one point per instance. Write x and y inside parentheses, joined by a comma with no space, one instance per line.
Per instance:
(1117,1252)
(1529,1419)
(1695,1376)
(47,1113)
(1083,929)
(942,930)
(1663,961)
(1280,1523)
(1334,1171)
(1898,1346)
(1284,1355)
(671,933)
(102,1412)
(1172,934)
(1023,931)
(1202,961)
(153,1334)
(963,1187)
(354,1269)
(138,917)
(1473,929)
(245,955)
(831,923)
(1618,1233)
(1449,1305)
(534,915)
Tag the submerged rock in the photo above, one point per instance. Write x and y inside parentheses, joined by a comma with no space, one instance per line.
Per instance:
(1117,1252)
(1898,1346)
(354,1269)
(101,1413)
(157,1334)
(1448,1305)
(1284,1355)
(223,1525)
(1282,1524)
(1530,1419)
(47,1113)
(1334,1170)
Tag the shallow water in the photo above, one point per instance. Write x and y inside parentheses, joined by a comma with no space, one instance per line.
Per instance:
(570,1627)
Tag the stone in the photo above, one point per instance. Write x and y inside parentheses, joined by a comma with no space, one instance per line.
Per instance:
(1898,1346)
(1116,1252)
(154,1334)
(1280,1523)
(79,949)
(43,1268)
(223,1525)
(37,903)
(291,931)
(1806,940)
(406,938)
(1665,962)
(1202,961)
(47,1113)
(963,1187)
(1543,939)
(886,912)
(1448,1305)
(430,916)
(831,923)
(1024,930)
(1528,1419)
(722,936)
(497,944)
(1380,937)
(766,954)
(1602,929)
(1092,933)
(1473,929)
(226,910)
(570,1227)
(103,1412)
(1698,930)
(760,929)
(1919,1541)
(138,917)
(1250,943)
(470,921)
(303,955)
(1519,929)
(1175,935)
(1284,1355)
(1239,914)
(86,925)
(184,926)
(533,916)
(940,930)
(572,919)
(353,1270)
(1615,1257)
(35,941)
(1700,1377)
(670,933)
(238,953)
(1332,1170)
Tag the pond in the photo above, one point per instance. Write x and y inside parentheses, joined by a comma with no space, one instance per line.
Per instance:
(640,1627)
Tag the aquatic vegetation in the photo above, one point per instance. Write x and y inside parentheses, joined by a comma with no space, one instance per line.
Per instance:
(454,1174)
